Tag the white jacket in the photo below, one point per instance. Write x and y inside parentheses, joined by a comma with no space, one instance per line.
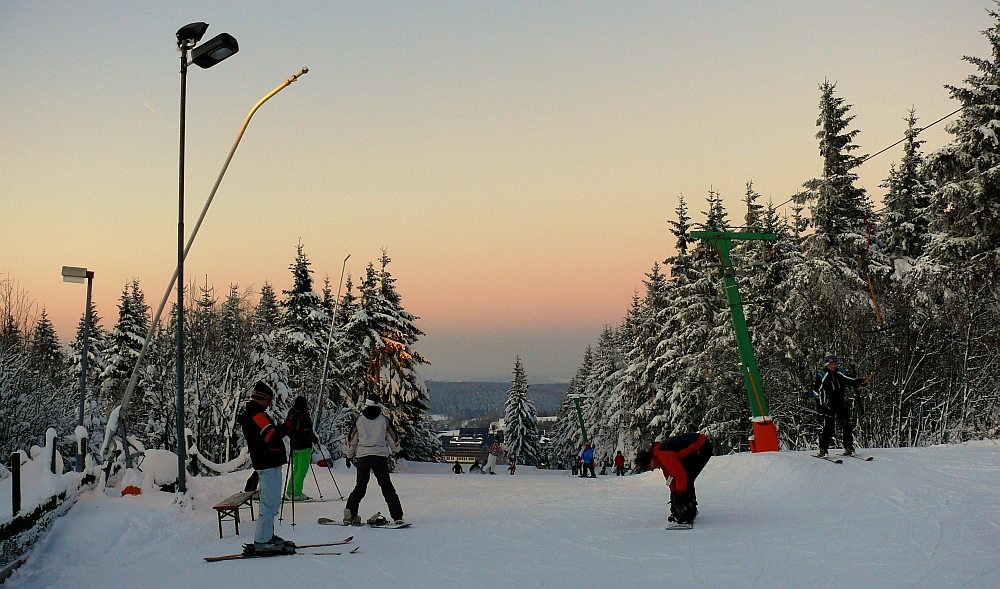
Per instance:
(372,435)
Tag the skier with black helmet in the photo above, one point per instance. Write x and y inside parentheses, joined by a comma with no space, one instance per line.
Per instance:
(829,390)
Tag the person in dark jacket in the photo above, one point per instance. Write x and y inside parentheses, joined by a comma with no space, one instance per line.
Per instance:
(457,468)
(681,458)
(301,440)
(267,453)
(829,390)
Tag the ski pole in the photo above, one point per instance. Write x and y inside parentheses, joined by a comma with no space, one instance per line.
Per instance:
(313,471)
(330,470)
(281,510)
(291,481)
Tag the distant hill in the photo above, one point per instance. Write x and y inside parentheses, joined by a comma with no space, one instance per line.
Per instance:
(467,400)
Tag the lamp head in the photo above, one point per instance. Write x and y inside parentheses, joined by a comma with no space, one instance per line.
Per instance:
(189,35)
(215,50)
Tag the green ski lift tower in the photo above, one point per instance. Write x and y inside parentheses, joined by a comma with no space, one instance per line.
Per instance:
(765,435)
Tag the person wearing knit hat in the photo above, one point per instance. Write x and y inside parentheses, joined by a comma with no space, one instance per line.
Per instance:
(267,453)
(829,390)
(369,446)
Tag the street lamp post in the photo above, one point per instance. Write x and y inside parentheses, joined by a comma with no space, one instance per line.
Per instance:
(205,56)
(77,275)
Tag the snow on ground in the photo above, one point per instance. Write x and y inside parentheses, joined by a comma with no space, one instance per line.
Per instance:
(918,517)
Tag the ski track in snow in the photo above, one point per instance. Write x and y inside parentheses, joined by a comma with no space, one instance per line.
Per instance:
(917,517)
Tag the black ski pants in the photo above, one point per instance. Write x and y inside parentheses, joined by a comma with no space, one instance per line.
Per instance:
(837,415)
(379,465)
(693,464)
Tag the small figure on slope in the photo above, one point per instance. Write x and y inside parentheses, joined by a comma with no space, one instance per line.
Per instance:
(267,453)
(832,404)
(369,446)
(301,440)
(457,468)
(476,467)
(681,458)
(619,464)
(511,467)
(588,462)
(491,461)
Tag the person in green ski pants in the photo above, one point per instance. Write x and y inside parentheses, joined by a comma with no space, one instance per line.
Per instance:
(301,441)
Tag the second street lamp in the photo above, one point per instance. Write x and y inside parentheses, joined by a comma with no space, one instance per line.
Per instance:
(205,56)
(77,275)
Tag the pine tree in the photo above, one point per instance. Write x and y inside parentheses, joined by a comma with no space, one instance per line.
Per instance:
(966,219)
(521,421)
(907,199)
(124,342)
(268,312)
(840,207)
(46,354)
(303,329)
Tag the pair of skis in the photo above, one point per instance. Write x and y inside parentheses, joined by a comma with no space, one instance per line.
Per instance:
(242,556)
(840,461)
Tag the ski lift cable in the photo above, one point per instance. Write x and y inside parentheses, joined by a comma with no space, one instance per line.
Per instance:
(881,151)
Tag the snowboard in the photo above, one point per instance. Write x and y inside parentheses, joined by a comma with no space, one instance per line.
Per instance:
(678,526)
(325,521)
(272,554)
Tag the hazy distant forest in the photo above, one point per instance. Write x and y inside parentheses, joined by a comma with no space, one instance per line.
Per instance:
(909,293)
(929,258)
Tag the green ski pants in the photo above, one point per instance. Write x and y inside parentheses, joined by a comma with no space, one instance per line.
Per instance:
(301,459)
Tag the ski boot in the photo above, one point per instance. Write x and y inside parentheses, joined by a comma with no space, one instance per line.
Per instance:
(377,520)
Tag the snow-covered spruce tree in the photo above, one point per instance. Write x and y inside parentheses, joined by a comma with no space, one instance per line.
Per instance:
(302,331)
(839,208)
(606,362)
(625,420)
(95,409)
(267,313)
(521,421)
(644,356)
(567,440)
(377,356)
(46,357)
(124,344)
(905,217)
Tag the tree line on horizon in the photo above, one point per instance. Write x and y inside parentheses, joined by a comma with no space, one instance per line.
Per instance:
(229,345)
(909,295)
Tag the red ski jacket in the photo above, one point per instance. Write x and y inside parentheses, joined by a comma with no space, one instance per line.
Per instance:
(669,454)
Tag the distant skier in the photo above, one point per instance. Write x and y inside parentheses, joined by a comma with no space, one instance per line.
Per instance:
(369,446)
(491,461)
(267,453)
(588,461)
(577,465)
(619,464)
(301,441)
(457,468)
(476,467)
(681,458)
(831,402)
(511,467)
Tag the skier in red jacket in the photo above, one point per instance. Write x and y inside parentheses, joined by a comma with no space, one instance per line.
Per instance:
(681,458)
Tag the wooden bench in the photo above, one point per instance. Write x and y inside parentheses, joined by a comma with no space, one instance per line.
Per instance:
(229,509)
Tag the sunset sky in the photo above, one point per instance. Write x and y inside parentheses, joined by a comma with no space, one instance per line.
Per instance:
(519,161)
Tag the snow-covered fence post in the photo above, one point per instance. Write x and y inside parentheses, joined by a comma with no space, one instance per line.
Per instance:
(50,448)
(81,446)
(15,483)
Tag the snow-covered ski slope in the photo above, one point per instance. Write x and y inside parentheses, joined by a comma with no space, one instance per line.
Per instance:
(923,517)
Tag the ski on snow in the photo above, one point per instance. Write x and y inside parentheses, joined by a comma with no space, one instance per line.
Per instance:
(325,521)
(862,458)
(271,554)
(828,459)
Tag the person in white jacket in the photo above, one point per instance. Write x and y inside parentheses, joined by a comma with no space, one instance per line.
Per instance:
(369,446)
